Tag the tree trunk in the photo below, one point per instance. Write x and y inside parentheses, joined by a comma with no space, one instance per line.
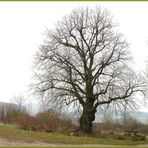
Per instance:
(86,119)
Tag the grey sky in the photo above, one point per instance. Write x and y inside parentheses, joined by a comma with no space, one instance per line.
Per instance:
(22,27)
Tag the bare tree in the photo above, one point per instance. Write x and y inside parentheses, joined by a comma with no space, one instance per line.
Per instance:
(85,62)
(29,107)
(3,114)
(19,101)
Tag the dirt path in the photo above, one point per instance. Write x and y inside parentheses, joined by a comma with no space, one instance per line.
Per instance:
(5,142)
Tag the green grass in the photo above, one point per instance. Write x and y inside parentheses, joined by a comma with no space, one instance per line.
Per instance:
(72,147)
(12,133)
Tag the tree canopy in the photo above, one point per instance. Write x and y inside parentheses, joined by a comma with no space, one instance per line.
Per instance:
(85,61)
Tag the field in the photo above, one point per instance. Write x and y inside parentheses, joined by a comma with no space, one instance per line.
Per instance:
(12,133)
(80,147)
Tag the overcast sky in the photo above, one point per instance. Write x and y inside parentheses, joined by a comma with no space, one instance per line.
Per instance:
(22,28)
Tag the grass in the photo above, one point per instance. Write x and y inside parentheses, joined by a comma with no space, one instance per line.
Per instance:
(11,132)
(72,147)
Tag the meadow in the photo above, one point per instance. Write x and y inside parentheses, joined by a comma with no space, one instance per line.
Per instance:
(78,147)
(12,133)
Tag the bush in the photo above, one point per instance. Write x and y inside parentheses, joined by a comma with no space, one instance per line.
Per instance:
(47,121)
(138,137)
(53,121)
(131,123)
(28,122)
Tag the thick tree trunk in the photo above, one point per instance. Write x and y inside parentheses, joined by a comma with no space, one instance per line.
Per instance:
(88,116)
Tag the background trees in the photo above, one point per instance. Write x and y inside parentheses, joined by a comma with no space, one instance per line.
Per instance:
(84,61)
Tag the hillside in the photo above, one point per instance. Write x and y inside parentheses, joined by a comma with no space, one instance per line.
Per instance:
(4,107)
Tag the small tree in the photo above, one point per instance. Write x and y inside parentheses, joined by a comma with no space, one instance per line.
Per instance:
(3,114)
(19,101)
(130,123)
(85,62)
